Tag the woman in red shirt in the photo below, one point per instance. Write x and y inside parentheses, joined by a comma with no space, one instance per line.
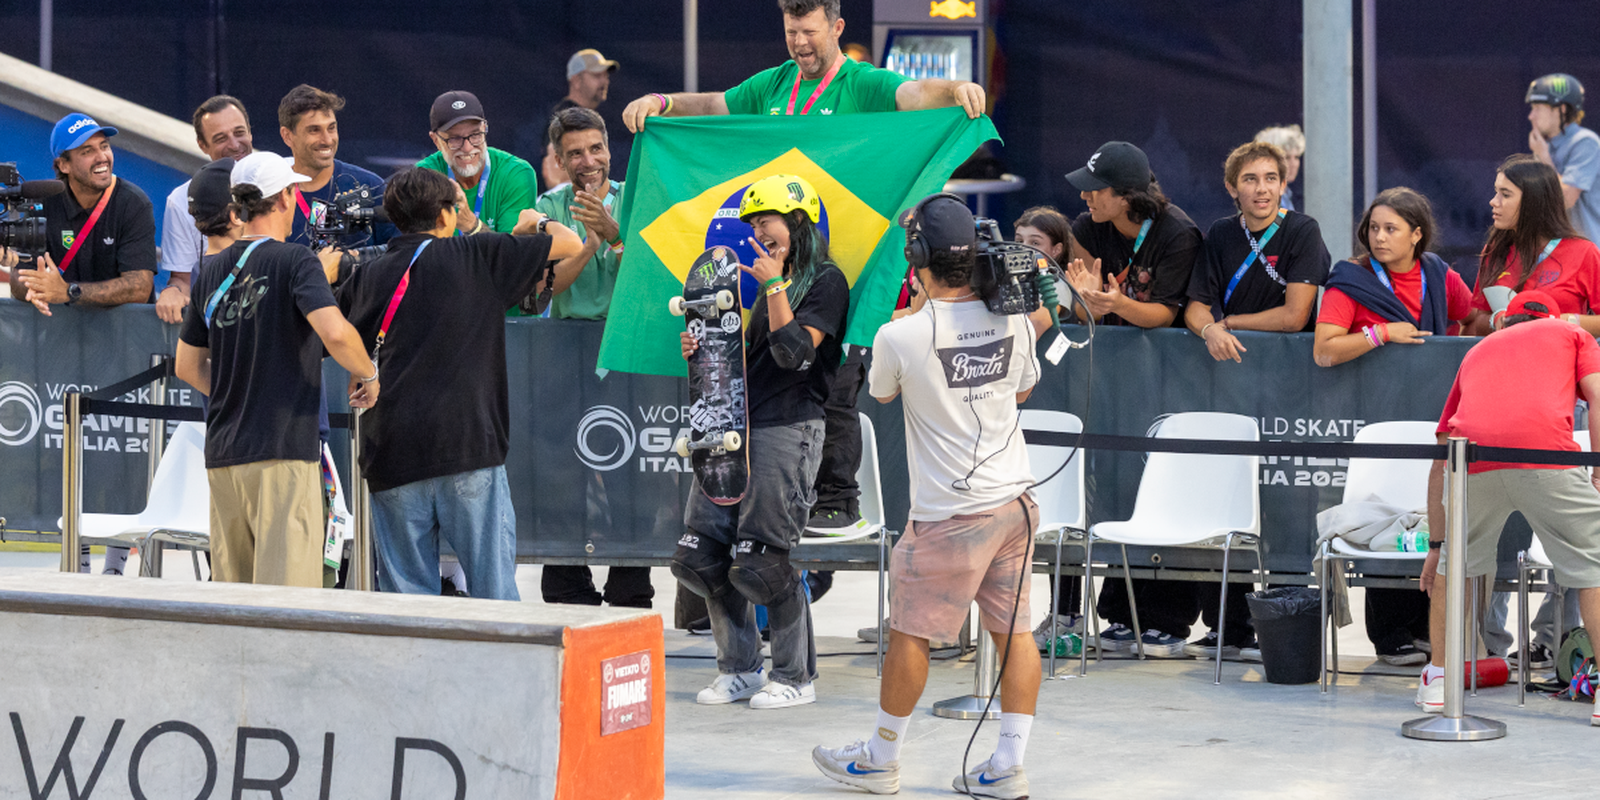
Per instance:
(1399,292)
(1532,245)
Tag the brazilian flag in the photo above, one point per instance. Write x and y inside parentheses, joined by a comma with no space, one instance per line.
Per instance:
(686,177)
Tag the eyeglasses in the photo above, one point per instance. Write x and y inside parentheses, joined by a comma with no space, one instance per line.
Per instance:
(458,142)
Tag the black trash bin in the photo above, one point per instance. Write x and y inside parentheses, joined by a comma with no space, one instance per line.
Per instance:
(1287,621)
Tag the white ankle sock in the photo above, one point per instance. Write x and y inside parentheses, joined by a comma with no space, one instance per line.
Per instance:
(1013,740)
(884,744)
(1430,672)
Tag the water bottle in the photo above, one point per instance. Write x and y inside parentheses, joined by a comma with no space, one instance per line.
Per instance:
(1068,645)
(1403,542)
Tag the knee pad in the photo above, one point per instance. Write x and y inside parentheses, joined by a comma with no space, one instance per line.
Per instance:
(763,574)
(702,564)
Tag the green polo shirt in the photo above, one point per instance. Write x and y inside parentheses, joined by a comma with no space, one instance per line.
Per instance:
(510,191)
(857,88)
(589,297)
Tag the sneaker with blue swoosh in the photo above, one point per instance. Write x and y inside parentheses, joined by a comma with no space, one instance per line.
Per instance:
(851,765)
(1011,784)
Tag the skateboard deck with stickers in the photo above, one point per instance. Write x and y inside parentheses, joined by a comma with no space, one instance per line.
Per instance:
(719,423)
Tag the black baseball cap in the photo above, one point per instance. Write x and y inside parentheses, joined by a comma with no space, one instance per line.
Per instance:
(209,193)
(452,107)
(1118,165)
(944,222)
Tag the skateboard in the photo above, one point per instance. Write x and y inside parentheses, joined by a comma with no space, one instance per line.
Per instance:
(718,416)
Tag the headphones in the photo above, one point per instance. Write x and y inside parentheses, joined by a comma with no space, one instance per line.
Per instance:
(917,252)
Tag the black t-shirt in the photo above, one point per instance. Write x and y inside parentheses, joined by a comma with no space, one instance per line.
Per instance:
(444,407)
(123,239)
(266,361)
(1159,272)
(1295,253)
(781,396)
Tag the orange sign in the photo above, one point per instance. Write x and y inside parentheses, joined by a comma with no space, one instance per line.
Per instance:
(953,9)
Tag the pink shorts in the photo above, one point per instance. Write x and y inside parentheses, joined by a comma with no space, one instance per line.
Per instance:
(939,568)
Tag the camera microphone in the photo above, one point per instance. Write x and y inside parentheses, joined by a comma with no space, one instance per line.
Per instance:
(39,190)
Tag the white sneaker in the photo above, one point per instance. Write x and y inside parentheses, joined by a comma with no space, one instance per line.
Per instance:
(782,695)
(980,782)
(726,689)
(1430,693)
(851,765)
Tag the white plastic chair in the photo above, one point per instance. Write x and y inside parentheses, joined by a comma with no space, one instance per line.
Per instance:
(1398,482)
(1063,514)
(1529,561)
(871,486)
(178,509)
(1192,500)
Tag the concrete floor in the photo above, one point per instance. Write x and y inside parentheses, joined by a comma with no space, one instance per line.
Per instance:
(1154,729)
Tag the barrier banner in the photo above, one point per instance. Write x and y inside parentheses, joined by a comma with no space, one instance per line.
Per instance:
(591,466)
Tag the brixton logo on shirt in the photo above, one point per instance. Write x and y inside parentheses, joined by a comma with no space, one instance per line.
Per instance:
(969,367)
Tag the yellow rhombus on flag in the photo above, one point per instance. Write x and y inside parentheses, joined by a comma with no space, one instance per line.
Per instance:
(685,179)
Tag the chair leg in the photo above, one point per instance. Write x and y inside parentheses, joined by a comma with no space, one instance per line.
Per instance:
(883,559)
(1333,640)
(1522,627)
(1092,626)
(1133,603)
(1322,630)
(194,556)
(1222,607)
(1055,588)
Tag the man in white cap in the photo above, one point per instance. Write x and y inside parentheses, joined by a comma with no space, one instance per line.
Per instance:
(252,340)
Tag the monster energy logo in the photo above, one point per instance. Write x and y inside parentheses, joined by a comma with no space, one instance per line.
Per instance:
(1558,85)
(796,191)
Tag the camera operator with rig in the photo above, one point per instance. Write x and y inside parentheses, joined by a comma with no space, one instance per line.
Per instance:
(960,368)
(99,245)
(310,129)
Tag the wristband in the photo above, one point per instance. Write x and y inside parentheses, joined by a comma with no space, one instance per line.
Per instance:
(475,230)
(778,289)
(1495,319)
(1384,337)
(1433,545)
(767,284)
(617,248)
(1206,328)
(1572,318)
(666,102)
(374,374)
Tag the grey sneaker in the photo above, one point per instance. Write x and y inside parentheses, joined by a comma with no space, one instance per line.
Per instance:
(1009,785)
(851,765)
(732,688)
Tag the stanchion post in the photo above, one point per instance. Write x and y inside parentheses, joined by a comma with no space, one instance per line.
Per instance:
(71,480)
(361,572)
(1454,725)
(973,706)
(157,427)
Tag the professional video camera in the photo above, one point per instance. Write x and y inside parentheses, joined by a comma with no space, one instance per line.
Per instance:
(353,211)
(21,224)
(1003,272)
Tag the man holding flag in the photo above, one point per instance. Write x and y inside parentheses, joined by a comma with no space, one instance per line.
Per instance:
(819,78)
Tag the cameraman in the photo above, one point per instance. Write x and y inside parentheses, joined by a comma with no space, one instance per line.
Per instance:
(435,460)
(972,519)
(100,233)
(310,129)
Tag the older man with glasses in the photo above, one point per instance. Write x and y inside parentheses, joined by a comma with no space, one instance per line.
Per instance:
(495,186)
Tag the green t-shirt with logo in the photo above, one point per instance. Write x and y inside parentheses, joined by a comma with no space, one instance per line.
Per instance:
(857,88)
(589,296)
(511,188)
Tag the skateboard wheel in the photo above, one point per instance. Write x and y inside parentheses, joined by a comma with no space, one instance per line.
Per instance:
(724,300)
(682,446)
(675,305)
(731,441)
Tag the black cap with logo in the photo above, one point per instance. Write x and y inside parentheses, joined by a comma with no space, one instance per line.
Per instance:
(452,107)
(209,193)
(1118,165)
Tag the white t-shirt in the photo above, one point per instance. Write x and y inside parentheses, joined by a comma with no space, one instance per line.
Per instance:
(182,244)
(958,370)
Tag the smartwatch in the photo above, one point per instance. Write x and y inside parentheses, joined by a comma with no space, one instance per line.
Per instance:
(74,293)
(544,223)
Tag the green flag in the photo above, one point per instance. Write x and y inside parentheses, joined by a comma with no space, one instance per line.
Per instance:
(685,179)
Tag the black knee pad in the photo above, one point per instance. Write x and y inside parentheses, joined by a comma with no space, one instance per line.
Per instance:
(763,573)
(702,564)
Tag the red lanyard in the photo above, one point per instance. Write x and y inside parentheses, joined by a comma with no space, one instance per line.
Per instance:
(394,302)
(79,237)
(821,87)
(300,200)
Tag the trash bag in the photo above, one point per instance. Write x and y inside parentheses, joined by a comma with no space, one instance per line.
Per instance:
(1288,628)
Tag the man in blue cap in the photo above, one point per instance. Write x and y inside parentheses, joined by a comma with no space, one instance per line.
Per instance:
(100,232)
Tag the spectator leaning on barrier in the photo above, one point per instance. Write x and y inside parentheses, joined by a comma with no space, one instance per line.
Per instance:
(1292,141)
(1259,270)
(1397,292)
(972,520)
(252,341)
(310,128)
(793,351)
(1557,139)
(211,207)
(1531,244)
(433,450)
(100,232)
(1540,366)
(222,130)
(496,186)
(1143,249)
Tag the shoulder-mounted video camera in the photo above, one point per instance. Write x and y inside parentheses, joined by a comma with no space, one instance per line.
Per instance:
(353,211)
(21,219)
(1003,272)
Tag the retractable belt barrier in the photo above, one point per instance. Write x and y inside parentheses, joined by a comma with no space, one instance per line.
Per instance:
(1226,447)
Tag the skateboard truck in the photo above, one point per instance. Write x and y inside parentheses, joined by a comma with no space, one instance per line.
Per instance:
(722,301)
(728,442)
